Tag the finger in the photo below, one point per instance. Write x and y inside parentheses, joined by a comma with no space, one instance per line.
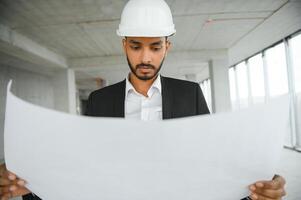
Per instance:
(4,182)
(7,182)
(11,179)
(280,179)
(4,198)
(9,175)
(276,181)
(8,189)
(11,186)
(260,197)
(274,194)
(4,190)
(20,192)
(21,182)
(14,191)
(2,169)
(272,184)
(7,196)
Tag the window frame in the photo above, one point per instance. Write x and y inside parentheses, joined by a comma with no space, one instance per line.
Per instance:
(295,136)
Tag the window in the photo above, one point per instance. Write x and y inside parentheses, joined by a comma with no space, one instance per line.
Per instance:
(233,94)
(295,44)
(257,78)
(242,84)
(265,75)
(247,83)
(295,49)
(277,70)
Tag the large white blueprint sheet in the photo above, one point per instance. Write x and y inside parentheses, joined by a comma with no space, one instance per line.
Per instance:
(70,157)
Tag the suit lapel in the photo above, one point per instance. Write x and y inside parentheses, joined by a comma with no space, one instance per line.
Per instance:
(166,99)
(120,100)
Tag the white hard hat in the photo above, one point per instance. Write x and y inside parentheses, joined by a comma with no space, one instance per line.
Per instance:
(146,18)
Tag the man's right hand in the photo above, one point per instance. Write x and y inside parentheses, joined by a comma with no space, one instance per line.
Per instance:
(10,185)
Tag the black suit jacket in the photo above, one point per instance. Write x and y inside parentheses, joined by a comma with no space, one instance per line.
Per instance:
(179,99)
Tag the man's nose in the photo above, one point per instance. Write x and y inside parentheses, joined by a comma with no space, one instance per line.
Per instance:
(146,56)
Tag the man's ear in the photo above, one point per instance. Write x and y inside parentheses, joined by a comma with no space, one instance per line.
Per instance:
(168,47)
(124,45)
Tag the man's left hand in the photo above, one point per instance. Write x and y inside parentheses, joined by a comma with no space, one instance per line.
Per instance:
(268,190)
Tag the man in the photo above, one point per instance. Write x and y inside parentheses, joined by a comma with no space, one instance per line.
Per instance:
(145,95)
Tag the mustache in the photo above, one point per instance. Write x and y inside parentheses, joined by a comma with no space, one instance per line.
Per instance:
(145,66)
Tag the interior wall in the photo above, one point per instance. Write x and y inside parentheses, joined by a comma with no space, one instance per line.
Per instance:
(32,87)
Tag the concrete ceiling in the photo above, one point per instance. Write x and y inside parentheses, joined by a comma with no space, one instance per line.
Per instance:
(12,61)
(83,30)
(86,28)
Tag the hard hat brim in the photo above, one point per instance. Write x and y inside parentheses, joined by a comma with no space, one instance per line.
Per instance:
(145,33)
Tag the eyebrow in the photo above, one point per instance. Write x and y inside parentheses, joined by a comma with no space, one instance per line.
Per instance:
(157,43)
(134,42)
(154,43)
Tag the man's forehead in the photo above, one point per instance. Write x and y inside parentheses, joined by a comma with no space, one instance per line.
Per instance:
(146,40)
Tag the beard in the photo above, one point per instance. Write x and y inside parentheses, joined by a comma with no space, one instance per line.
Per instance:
(145,76)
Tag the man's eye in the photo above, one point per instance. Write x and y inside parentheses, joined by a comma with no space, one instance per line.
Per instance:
(135,47)
(157,48)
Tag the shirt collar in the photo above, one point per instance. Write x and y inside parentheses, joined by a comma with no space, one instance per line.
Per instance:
(130,88)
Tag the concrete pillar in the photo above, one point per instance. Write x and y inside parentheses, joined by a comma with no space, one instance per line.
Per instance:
(64,90)
(220,89)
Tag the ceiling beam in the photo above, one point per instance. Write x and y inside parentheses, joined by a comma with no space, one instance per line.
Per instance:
(20,46)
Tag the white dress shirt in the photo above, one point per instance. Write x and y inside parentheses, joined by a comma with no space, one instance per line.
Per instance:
(140,107)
